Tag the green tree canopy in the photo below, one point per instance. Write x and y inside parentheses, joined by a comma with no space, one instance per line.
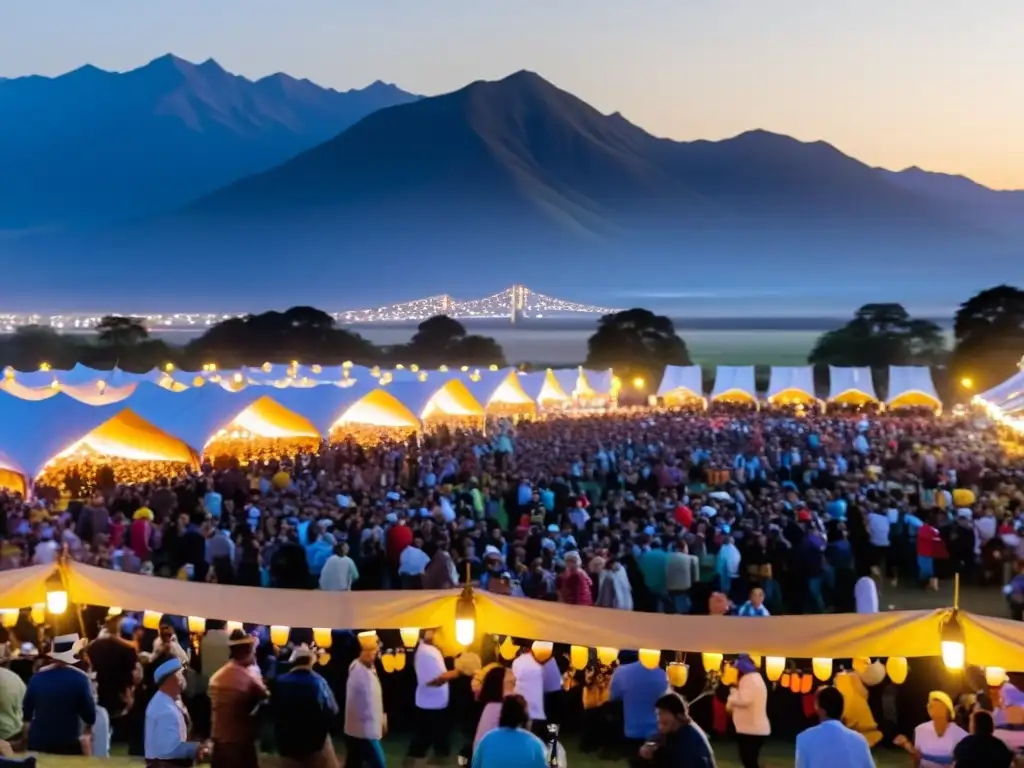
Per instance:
(636,343)
(880,335)
(989,333)
(121,331)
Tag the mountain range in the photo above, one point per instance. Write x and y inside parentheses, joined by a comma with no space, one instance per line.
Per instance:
(498,182)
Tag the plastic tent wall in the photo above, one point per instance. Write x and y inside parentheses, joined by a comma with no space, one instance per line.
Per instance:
(489,383)
(323,405)
(912,385)
(735,380)
(1010,389)
(193,416)
(791,379)
(568,379)
(844,380)
(600,382)
(687,378)
(535,383)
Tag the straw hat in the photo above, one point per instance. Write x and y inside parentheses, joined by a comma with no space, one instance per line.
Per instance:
(66,648)
(239,637)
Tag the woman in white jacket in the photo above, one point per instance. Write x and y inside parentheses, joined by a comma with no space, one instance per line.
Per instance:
(748,703)
(613,587)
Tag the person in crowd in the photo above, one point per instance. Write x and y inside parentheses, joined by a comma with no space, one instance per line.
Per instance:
(365,720)
(511,744)
(639,689)
(303,708)
(575,586)
(679,742)
(935,739)
(682,572)
(339,572)
(536,678)
(981,748)
(497,683)
(748,703)
(754,606)
(167,642)
(865,595)
(168,723)
(114,660)
(830,744)
(59,700)
(235,698)
(432,724)
(214,651)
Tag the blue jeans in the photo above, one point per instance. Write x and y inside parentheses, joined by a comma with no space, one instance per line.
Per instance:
(363,752)
(817,602)
(681,602)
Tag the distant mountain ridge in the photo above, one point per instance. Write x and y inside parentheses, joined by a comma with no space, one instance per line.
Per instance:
(94,146)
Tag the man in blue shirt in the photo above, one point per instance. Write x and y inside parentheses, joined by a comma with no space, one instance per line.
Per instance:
(58,700)
(830,744)
(638,688)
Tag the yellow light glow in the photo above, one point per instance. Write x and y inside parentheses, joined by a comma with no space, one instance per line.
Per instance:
(953,654)
(730,675)
(774,666)
(38,613)
(579,655)
(492,367)
(650,658)
(387,662)
(542,650)
(57,602)
(9,617)
(267,419)
(995,676)
(465,368)
(317,370)
(151,619)
(443,369)
(238,378)
(967,382)
(279,634)
(399,367)
(347,364)
(169,367)
(896,668)
(410,636)
(508,649)
(44,367)
(638,383)
(822,669)
(465,631)
(114,610)
(414,367)
(712,661)
(196,625)
(607,656)
(399,659)
(861,664)
(231,626)
(678,674)
(322,637)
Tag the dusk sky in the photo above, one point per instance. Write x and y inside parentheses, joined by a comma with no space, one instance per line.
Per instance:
(934,83)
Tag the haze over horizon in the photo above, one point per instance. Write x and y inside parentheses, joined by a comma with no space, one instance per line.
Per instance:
(895,85)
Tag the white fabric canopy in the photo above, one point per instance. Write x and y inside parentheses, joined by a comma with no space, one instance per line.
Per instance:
(734,380)
(911,385)
(491,383)
(323,405)
(686,378)
(568,379)
(600,382)
(542,386)
(791,379)
(843,380)
(1008,390)
(194,415)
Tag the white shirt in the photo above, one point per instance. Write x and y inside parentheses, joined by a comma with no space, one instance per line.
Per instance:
(364,703)
(46,553)
(533,680)
(748,701)
(878,529)
(412,561)
(166,732)
(928,743)
(429,665)
(865,594)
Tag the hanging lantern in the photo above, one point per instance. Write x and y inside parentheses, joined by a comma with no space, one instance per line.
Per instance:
(542,650)
(579,656)
(861,664)
(231,626)
(806,683)
(896,668)
(785,679)
(952,639)
(279,634)
(9,617)
(323,659)
(508,649)
(774,666)
(387,661)
(607,656)
(410,636)
(151,619)
(465,617)
(196,625)
(399,659)
(38,613)
(56,595)
(730,675)
(756,659)
(795,682)
(995,676)
(322,637)
(678,674)
(114,611)
(822,669)
(712,662)
(650,658)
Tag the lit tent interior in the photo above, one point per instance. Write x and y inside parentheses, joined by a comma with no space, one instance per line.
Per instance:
(570,380)
(543,388)
(790,385)
(595,384)
(911,386)
(1002,394)
(851,386)
(735,384)
(335,410)
(682,385)
(501,393)
(435,401)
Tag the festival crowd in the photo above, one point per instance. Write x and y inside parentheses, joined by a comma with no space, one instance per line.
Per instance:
(746,513)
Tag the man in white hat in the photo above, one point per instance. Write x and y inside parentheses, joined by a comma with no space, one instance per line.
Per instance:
(304,709)
(58,699)
(167,722)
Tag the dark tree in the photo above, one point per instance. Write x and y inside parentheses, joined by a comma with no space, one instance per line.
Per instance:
(880,335)
(441,340)
(30,346)
(438,333)
(637,344)
(989,334)
(121,331)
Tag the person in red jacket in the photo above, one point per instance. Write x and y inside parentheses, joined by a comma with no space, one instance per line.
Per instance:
(930,547)
(574,584)
(399,537)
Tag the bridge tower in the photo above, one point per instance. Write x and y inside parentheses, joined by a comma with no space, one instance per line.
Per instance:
(517,301)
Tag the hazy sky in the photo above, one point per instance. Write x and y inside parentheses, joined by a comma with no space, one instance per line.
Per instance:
(934,83)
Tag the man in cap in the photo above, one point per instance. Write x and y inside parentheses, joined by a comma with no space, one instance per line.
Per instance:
(365,721)
(167,722)
(303,710)
(235,698)
(58,699)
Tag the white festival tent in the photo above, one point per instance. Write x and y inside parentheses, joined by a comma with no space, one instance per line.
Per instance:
(681,383)
(597,382)
(499,388)
(430,399)
(788,384)
(542,387)
(735,383)
(1001,394)
(328,405)
(912,386)
(568,380)
(194,415)
(851,386)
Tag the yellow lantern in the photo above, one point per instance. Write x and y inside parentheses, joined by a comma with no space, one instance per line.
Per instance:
(56,596)
(730,675)
(806,684)
(542,650)
(231,626)
(861,664)
(712,661)
(579,656)
(784,679)
(387,661)
(322,637)
(650,658)
(994,676)
(607,656)
(114,611)
(196,625)
(954,652)
(9,617)
(756,659)
(367,640)
(822,669)
(151,619)
(465,617)
(896,668)
(399,660)
(279,634)
(678,674)
(323,659)
(508,649)
(795,682)
(410,636)
(38,613)
(774,666)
